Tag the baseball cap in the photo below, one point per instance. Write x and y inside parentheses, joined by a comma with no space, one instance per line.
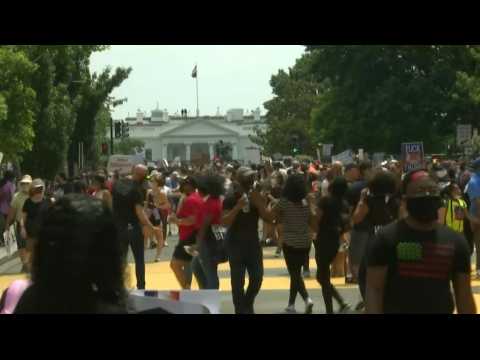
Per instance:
(244,171)
(26,179)
(38,183)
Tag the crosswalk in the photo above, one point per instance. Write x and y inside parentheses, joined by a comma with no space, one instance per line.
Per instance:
(272,297)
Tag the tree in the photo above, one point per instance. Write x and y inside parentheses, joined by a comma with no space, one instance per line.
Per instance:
(384,95)
(93,97)
(17,104)
(129,146)
(289,112)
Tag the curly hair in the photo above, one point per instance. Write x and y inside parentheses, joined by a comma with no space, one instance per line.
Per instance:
(295,189)
(78,261)
(383,183)
(211,184)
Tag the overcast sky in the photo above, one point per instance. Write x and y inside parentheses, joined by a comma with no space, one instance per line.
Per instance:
(229,76)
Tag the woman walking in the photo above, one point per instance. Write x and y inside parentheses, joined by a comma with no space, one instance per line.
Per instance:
(294,218)
(333,222)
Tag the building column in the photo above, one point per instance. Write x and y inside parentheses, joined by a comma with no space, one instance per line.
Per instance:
(188,152)
(234,151)
(211,151)
(165,152)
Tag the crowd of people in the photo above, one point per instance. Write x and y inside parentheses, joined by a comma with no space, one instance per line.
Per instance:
(407,238)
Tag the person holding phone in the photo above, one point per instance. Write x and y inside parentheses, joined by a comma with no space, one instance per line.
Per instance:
(33,212)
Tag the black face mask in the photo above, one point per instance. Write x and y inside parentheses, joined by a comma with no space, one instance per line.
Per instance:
(424,209)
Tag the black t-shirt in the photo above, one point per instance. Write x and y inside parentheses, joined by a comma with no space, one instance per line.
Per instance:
(126,195)
(353,197)
(420,265)
(335,216)
(35,213)
(244,230)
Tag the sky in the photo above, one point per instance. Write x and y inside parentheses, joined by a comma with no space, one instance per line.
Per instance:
(229,76)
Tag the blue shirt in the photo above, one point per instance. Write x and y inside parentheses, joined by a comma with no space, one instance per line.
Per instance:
(473,192)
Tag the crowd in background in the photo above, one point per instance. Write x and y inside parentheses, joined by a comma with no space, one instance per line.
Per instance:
(225,212)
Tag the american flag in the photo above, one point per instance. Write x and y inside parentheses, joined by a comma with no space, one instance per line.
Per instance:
(435,262)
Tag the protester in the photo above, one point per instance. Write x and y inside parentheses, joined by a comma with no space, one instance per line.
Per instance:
(294,219)
(7,190)
(15,218)
(333,222)
(130,218)
(78,263)
(242,209)
(379,206)
(413,263)
(473,192)
(101,191)
(33,212)
(187,220)
(212,187)
(361,229)
(455,208)
(157,202)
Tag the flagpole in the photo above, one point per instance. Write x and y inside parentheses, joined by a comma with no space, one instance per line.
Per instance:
(196,80)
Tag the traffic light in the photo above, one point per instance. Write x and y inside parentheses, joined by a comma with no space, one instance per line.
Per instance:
(125,130)
(104,149)
(118,130)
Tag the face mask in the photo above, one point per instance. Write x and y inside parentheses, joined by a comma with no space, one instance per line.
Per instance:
(424,209)
(441,174)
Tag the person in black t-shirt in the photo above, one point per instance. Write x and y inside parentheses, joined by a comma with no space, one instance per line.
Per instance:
(128,198)
(360,232)
(412,263)
(242,209)
(33,213)
(333,222)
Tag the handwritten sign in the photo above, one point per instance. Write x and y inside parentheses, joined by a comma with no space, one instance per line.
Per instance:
(412,156)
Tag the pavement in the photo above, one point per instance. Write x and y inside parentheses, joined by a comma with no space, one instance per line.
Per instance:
(273,296)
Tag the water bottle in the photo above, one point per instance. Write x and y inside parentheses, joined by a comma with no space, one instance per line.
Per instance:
(246,208)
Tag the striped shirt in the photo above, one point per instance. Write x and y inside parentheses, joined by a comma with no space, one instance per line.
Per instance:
(294,218)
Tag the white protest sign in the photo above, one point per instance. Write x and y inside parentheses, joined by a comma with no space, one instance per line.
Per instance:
(122,163)
(345,157)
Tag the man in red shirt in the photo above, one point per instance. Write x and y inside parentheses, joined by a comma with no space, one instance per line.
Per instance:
(187,219)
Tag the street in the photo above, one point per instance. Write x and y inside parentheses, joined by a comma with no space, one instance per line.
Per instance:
(272,298)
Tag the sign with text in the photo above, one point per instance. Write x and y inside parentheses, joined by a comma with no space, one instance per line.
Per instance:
(122,163)
(327,150)
(412,156)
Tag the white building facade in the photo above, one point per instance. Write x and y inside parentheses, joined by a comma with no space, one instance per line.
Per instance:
(191,139)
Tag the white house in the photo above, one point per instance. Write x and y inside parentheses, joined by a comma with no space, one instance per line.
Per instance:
(192,139)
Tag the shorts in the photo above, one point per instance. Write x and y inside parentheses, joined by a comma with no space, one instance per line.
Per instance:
(358,245)
(179,252)
(155,222)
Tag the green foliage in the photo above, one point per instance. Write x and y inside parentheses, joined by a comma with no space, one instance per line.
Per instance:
(17,103)
(374,97)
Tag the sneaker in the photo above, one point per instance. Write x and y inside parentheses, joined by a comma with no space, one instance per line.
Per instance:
(290,309)
(157,259)
(165,244)
(306,274)
(308,306)
(344,308)
(278,252)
